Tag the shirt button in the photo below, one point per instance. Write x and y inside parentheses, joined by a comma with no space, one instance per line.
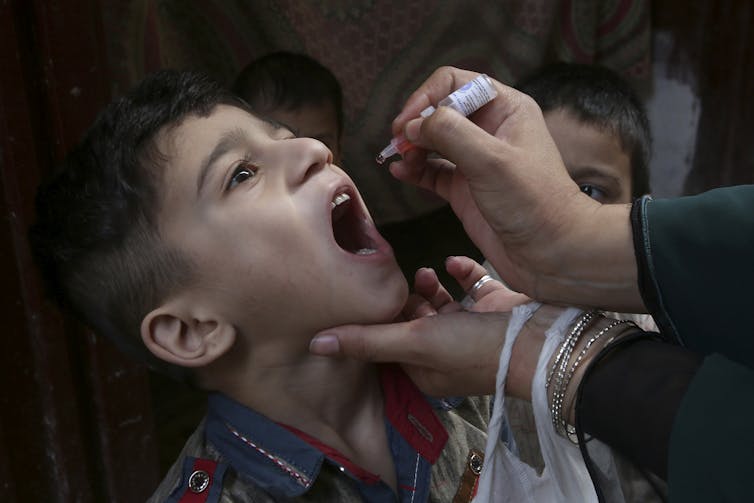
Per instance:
(475,463)
(198,481)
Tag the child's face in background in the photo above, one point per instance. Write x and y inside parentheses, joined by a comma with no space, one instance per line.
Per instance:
(594,158)
(266,218)
(312,121)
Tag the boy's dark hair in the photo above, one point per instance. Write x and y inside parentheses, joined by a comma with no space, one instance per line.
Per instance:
(288,80)
(96,238)
(600,97)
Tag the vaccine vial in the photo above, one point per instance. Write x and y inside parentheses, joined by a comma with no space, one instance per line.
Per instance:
(465,100)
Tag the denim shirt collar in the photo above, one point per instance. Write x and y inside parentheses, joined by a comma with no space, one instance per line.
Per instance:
(286,463)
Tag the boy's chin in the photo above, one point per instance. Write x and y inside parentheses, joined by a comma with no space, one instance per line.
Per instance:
(385,309)
(383,305)
(392,310)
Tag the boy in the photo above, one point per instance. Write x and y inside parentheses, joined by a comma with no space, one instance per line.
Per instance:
(298,91)
(599,126)
(213,244)
(301,93)
(602,132)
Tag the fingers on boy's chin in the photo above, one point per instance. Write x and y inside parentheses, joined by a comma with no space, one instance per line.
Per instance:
(425,275)
(451,307)
(416,306)
(420,311)
(458,266)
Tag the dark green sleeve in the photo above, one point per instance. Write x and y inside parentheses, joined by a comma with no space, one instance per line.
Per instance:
(696,269)
(711,455)
(696,272)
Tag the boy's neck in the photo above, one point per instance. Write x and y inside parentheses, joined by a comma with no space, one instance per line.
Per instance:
(337,401)
(309,391)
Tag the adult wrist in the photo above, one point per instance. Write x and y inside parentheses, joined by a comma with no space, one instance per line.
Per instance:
(526,350)
(587,337)
(590,262)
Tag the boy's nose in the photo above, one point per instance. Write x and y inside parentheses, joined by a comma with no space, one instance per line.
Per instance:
(311,157)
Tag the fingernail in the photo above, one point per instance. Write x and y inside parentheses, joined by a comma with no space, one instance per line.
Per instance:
(412,129)
(325,345)
(397,120)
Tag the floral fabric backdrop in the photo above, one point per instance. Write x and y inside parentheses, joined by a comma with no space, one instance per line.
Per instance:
(380,50)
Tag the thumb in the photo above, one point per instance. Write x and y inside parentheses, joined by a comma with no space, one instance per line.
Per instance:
(375,343)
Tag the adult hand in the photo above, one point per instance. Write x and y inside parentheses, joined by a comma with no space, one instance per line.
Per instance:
(445,350)
(495,172)
(503,176)
(431,297)
(447,354)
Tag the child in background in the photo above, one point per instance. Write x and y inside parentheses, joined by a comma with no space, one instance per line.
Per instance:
(213,244)
(602,132)
(297,91)
(599,126)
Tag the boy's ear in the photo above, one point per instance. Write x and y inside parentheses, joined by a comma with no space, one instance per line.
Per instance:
(176,333)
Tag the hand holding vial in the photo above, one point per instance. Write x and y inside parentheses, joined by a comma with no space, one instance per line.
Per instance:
(501,173)
(465,100)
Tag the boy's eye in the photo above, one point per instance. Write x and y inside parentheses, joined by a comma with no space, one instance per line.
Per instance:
(244,171)
(594,192)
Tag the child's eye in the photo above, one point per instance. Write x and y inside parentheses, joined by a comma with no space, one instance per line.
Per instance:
(593,192)
(243,172)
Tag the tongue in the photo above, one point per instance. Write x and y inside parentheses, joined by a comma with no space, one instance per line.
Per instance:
(349,234)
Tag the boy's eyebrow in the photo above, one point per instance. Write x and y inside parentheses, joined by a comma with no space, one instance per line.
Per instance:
(277,125)
(228,141)
(592,171)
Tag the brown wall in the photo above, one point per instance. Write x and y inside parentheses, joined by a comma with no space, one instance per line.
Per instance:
(76,420)
(715,41)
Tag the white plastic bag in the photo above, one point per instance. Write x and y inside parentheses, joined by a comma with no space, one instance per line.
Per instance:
(504,477)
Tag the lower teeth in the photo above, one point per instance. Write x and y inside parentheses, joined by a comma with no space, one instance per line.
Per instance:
(365,251)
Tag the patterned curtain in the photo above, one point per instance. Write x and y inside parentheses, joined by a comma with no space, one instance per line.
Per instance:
(380,50)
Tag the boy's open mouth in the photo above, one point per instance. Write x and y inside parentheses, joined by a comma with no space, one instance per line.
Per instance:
(350,225)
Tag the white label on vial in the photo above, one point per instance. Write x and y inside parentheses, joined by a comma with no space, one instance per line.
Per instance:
(470,97)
